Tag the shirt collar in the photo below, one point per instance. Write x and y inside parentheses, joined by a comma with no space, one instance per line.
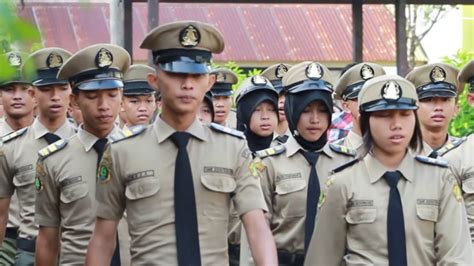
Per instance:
(354,139)
(88,140)
(164,131)
(65,131)
(292,147)
(377,169)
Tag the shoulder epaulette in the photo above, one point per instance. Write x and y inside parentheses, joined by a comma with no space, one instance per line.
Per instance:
(275,150)
(14,135)
(282,139)
(344,166)
(227,130)
(128,133)
(432,161)
(450,146)
(342,150)
(339,141)
(52,148)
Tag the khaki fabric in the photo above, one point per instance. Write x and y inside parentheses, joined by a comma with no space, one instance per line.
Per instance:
(352,223)
(284,182)
(17,170)
(352,140)
(231,120)
(138,175)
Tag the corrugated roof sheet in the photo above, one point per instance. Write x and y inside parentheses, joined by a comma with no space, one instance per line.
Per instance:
(253,32)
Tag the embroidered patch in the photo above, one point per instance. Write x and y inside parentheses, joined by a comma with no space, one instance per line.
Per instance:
(38,184)
(104,174)
(457,192)
(255,167)
(322,199)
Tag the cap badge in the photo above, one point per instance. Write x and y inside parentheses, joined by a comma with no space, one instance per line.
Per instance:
(104,58)
(367,72)
(391,91)
(259,80)
(221,77)
(14,60)
(437,74)
(280,71)
(314,71)
(54,60)
(189,36)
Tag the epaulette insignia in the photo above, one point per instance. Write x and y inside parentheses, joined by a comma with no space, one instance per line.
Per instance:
(432,161)
(282,139)
(342,149)
(450,146)
(128,133)
(275,150)
(52,148)
(344,166)
(227,130)
(14,135)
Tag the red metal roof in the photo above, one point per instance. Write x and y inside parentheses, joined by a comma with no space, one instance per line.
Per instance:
(253,32)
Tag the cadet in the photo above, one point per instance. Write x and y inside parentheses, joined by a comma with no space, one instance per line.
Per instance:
(391,207)
(181,222)
(67,169)
(206,111)
(437,88)
(138,101)
(275,74)
(347,89)
(293,173)
(17,101)
(19,149)
(222,97)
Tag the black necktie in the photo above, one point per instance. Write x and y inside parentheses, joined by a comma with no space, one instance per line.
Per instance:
(51,138)
(312,197)
(397,254)
(187,237)
(433,154)
(99,147)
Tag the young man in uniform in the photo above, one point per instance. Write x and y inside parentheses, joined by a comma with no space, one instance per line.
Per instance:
(19,150)
(173,182)
(17,101)
(222,97)
(66,171)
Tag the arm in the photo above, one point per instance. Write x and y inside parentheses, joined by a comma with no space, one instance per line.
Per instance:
(47,246)
(102,243)
(260,238)
(4,205)
(267,183)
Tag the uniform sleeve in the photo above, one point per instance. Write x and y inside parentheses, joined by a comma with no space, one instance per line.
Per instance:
(6,176)
(248,193)
(327,245)
(47,196)
(110,189)
(452,241)
(267,177)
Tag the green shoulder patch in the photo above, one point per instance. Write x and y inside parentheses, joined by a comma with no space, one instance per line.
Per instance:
(451,145)
(344,166)
(52,148)
(275,150)
(14,135)
(227,130)
(256,166)
(343,150)
(432,161)
(128,133)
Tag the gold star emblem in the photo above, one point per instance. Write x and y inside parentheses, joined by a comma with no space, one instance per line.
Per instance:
(437,74)
(221,77)
(189,36)
(54,60)
(280,71)
(14,60)
(104,58)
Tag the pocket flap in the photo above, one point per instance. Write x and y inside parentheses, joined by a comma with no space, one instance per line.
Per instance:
(74,192)
(142,188)
(361,215)
(290,185)
(24,179)
(427,212)
(468,186)
(219,183)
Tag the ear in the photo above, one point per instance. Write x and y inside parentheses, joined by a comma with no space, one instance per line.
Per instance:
(122,109)
(73,100)
(345,106)
(211,81)
(152,81)
(470,99)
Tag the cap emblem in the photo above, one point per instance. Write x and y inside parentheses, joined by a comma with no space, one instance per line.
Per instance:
(280,71)
(259,80)
(104,58)
(437,74)
(54,60)
(14,60)
(314,71)
(367,72)
(221,77)
(189,36)
(391,91)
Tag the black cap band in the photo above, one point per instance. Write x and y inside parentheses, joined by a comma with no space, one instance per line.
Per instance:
(137,88)
(352,91)
(47,77)
(96,74)
(309,85)
(382,104)
(173,55)
(440,89)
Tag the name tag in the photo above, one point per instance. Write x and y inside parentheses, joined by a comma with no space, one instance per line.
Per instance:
(70,181)
(218,170)
(361,203)
(282,177)
(25,168)
(432,202)
(141,174)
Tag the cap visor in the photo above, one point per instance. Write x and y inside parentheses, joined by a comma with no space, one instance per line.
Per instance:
(185,67)
(437,93)
(391,106)
(222,93)
(100,84)
(49,81)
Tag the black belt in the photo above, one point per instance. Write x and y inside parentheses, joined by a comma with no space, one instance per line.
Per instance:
(26,244)
(287,258)
(11,232)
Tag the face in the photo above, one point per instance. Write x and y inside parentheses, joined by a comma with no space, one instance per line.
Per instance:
(53,100)
(76,114)
(139,109)
(314,121)
(222,105)
(435,113)
(264,119)
(470,98)
(204,114)
(181,94)
(99,109)
(352,106)
(392,130)
(281,109)
(17,100)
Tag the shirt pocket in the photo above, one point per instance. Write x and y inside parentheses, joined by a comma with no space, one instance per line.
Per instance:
(24,178)
(74,192)
(216,203)
(219,183)
(362,225)
(427,212)
(290,198)
(76,206)
(361,216)
(142,188)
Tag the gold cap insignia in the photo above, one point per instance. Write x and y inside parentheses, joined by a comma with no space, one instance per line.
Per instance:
(104,58)
(54,60)
(221,77)
(391,91)
(189,36)
(437,74)
(259,80)
(280,71)
(314,71)
(367,72)
(14,60)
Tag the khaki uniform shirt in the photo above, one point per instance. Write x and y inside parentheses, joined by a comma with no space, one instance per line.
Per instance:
(427,150)
(66,198)
(137,174)
(14,211)
(352,140)
(17,170)
(284,181)
(352,223)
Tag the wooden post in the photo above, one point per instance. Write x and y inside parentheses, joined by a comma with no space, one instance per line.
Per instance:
(153,16)
(401,37)
(128,26)
(357,31)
